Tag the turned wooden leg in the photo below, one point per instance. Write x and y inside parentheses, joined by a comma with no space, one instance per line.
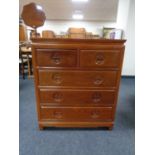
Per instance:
(41,127)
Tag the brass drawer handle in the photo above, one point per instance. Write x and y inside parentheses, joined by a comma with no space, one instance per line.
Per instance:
(98,80)
(57,78)
(99,59)
(57,114)
(57,97)
(96,97)
(95,114)
(56,59)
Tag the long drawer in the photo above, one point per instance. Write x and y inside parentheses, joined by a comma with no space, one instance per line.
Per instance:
(100,58)
(76,113)
(77,97)
(56,58)
(77,78)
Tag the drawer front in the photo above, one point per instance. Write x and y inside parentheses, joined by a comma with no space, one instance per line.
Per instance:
(76,113)
(56,58)
(77,97)
(78,78)
(100,58)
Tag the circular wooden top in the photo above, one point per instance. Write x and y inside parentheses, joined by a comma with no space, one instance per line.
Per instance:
(33,15)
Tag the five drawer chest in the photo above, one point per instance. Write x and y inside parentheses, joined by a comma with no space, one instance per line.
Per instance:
(77,81)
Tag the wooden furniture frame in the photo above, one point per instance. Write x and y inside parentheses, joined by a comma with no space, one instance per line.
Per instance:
(77,81)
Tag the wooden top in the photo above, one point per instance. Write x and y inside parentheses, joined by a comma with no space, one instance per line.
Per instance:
(33,16)
(68,40)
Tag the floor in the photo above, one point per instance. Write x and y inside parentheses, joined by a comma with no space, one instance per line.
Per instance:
(56,141)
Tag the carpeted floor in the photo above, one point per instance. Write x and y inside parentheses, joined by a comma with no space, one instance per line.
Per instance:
(119,141)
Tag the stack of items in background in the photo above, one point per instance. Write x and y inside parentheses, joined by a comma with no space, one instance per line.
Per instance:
(112,33)
(80,33)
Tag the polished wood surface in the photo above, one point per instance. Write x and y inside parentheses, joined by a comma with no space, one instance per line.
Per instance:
(33,16)
(77,81)
(77,97)
(76,113)
(77,78)
(100,58)
(56,58)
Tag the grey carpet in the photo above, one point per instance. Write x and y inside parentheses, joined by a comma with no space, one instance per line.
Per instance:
(56,141)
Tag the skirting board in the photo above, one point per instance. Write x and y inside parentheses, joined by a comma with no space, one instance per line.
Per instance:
(127,76)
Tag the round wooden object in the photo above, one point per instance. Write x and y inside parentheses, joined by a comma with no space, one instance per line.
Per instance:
(33,15)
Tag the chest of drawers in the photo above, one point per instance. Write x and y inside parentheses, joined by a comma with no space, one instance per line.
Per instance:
(77,81)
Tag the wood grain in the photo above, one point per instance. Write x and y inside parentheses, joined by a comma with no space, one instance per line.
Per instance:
(77,97)
(77,78)
(82,90)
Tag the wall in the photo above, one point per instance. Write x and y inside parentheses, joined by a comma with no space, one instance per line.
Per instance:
(125,21)
(129,59)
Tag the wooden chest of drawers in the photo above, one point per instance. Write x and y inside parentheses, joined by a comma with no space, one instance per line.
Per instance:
(77,81)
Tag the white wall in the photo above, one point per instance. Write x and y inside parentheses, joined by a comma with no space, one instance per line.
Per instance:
(125,21)
(129,59)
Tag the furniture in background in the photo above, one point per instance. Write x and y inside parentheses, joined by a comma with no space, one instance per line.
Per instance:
(25,60)
(34,34)
(22,32)
(62,35)
(25,53)
(89,35)
(117,34)
(79,33)
(33,16)
(77,81)
(112,33)
(106,32)
(48,34)
(96,36)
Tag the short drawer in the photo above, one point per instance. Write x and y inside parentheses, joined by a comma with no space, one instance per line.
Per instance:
(76,113)
(56,58)
(77,78)
(100,58)
(77,97)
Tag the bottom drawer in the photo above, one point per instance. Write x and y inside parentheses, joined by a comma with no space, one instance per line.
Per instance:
(76,113)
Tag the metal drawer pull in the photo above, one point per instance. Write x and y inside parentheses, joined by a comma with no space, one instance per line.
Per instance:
(96,97)
(56,59)
(57,78)
(57,114)
(95,114)
(57,97)
(98,80)
(99,59)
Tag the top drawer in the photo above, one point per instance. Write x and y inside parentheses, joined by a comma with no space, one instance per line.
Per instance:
(56,58)
(100,58)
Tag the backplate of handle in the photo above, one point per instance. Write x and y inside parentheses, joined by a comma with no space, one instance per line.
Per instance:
(95,114)
(57,97)
(96,97)
(56,59)
(57,114)
(57,78)
(99,59)
(98,80)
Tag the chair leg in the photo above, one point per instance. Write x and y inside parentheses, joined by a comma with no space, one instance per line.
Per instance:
(29,69)
(23,74)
